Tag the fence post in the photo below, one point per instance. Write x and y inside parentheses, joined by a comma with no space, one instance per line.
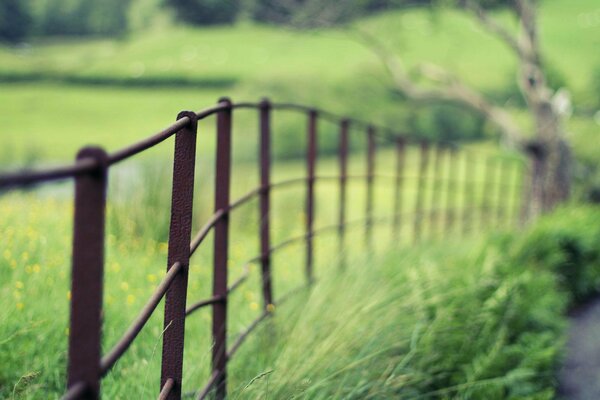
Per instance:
(423,161)
(343,159)
(451,188)
(180,228)
(370,177)
(265,204)
(87,275)
(469,201)
(436,192)
(400,144)
(311,158)
(221,247)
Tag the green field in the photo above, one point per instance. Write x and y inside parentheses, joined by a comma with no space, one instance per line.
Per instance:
(480,317)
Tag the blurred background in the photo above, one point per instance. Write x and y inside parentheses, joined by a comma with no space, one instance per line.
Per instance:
(74,72)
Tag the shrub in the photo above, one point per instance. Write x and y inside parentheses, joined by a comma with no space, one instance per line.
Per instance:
(205,12)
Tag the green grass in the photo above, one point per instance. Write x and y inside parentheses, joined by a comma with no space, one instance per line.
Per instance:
(49,121)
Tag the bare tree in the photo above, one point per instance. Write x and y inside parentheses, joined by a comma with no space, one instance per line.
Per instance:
(550,178)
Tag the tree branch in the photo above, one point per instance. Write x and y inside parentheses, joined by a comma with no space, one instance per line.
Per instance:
(448,89)
(496,29)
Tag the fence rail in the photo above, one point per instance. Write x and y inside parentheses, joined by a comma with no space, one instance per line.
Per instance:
(439,171)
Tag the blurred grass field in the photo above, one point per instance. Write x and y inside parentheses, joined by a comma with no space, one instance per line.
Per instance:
(59,95)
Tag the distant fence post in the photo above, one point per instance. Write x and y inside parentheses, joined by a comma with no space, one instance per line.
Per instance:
(265,204)
(87,275)
(311,158)
(436,191)
(184,161)
(399,178)
(221,248)
(423,161)
(370,176)
(343,160)
(451,185)
(469,195)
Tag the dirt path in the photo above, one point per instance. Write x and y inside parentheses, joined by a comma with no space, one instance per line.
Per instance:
(580,375)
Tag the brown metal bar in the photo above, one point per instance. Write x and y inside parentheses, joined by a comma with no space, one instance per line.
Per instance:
(209,385)
(311,158)
(488,188)
(398,182)
(451,190)
(180,229)
(221,248)
(436,191)
(87,275)
(469,192)
(203,232)
(22,178)
(265,201)
(240,339)
(76,391)
(343,178)
(166,389)
(423,161)
(370,172)
(109,360)
(203,303)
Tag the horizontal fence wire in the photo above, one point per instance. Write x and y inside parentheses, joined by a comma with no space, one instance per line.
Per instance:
(478,210)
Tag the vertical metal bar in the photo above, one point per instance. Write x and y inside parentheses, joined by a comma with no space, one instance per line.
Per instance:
(451,190)
(370,175)
(423,161)
(184,161)
(343,159)
(221,248)
(501,195)
(436,192)
(311,159)
(265,204)
(489,192)
(469,200)
(400,155)
(87,275)
(515,195)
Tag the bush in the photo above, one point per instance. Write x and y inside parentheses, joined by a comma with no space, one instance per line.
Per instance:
(15,21)
(205,12)
(568,244)
(446,122)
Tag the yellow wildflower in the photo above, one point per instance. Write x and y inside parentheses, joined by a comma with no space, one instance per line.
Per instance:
(130,299)
(20,306)
(19,285)
(151,278)
(254,306)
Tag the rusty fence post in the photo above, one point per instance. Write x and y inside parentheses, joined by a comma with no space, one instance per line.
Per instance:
(265,203)
(451,190)
(423,161)
(370,177)
(311,159)
(398,192)
(469,193)
(501,196)
(436,186)
(221,248)
(343,160)
(87,275)
(184,161)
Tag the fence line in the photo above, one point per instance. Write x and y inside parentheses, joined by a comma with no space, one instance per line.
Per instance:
(90,172)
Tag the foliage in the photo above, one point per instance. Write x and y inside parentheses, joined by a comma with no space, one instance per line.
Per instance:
(205,12)
(566,243)
(15,20)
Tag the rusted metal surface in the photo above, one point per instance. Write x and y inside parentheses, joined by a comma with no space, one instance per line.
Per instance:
(179,252)
(90,172)
(265,201)
(370,177)
(343,161)
(221,249)
(87,275)
(311,160)
(420,194)
(398,183)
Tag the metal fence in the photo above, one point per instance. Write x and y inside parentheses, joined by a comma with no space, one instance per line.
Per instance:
(441,167)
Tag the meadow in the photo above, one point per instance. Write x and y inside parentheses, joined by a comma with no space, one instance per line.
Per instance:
(479,317)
